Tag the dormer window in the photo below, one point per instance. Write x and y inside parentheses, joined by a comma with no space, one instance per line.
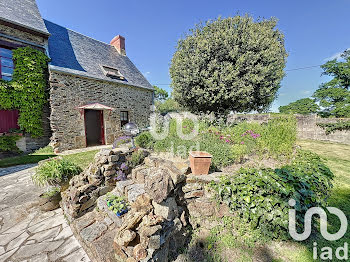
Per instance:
(113,73)
(6,64)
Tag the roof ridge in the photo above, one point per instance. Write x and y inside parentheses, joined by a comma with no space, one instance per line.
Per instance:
(79,33)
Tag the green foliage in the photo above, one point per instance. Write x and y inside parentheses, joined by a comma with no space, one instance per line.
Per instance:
(279,136)
(303,106)
(229,64)
(230,144)
(116,204)
(26,91)
(8,143)
(260,196)
(55,171)
(160,94)
(167,106)
(136,159)
(144,140)
(52,192)
(332,127)
(334,96)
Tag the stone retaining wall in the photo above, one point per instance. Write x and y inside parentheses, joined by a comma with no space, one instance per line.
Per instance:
(166,202)
(307,126)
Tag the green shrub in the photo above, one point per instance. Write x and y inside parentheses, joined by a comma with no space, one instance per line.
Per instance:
(144,140)
(332,127)
(260,196)
(136,159)
(8,143)
(220,150)
(55,171)
(279,136)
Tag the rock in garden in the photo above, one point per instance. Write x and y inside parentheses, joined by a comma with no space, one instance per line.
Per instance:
(135,190)
(142,203)
(124,237)
(166,209)
(140,252)
(158,184)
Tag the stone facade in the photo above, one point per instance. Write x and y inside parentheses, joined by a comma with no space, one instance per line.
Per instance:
(21,35)
(67,92)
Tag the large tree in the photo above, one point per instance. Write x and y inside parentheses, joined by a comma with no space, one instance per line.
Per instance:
(229,64)
(303,106)
(334,96)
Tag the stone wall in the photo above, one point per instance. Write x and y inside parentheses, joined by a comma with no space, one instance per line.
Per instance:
(166,203)
(17,33)
(307,127)
(69,92)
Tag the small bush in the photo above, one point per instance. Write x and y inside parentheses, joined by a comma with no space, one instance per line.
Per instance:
(144,140)
(55,171)
(260,196)
(279,136)
(8,143)
(136,159)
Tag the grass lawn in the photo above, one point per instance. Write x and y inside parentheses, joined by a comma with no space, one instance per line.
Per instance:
(337,157)
(40,154)
(82,159)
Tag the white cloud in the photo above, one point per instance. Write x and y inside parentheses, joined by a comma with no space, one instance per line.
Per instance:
(335,56)
(305,92)
(146,73)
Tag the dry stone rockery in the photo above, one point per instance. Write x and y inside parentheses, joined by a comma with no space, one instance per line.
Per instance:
(165,204)
(98,179)
(155,227)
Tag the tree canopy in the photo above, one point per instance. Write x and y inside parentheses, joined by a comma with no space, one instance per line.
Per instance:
(334,96)
(303,106)
(160,94)
(227,64)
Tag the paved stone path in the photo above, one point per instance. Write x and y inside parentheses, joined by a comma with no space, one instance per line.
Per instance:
(26,233)
(85,149)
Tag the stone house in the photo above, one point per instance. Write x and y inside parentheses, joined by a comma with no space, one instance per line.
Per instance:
(94,88)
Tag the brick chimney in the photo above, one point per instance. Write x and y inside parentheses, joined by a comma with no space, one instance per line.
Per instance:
(119,43)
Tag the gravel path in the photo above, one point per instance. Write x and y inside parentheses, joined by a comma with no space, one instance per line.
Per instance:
(26,233)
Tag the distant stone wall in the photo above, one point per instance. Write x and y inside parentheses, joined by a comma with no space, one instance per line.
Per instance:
(69,92)
(307,126)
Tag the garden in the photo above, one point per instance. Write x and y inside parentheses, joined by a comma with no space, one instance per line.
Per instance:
(262,166)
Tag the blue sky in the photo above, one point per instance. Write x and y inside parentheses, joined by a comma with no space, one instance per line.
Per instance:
(314,31)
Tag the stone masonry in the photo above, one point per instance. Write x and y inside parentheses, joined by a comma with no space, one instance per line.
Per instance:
(69,92)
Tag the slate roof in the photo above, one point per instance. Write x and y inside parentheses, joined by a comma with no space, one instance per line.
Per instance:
(78,54)
(24,13)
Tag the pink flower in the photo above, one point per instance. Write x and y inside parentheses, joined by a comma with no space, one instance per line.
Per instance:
(242,143)
(227,141)
(221,137)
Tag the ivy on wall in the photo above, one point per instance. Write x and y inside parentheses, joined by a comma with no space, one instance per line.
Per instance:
(332,127)
(26,90)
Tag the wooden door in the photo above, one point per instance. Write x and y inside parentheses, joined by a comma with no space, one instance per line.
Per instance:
(94,128)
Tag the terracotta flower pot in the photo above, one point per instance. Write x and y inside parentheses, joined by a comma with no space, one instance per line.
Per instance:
(200,162)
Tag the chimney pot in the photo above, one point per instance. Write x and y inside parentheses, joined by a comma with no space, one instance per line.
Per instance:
(119,43)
